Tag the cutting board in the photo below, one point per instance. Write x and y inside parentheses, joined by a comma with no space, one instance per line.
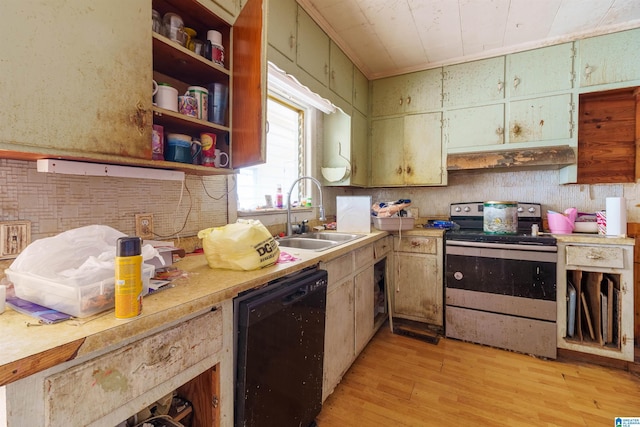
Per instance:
(353,214)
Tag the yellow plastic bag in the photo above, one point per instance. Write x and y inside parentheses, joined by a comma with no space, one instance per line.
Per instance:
(245,245)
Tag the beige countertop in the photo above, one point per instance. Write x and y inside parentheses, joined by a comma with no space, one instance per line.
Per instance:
(592,238)
(28,347)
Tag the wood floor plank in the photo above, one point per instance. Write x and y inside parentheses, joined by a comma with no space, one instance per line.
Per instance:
(402,381)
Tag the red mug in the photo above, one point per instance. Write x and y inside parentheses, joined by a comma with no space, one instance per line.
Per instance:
(208,141)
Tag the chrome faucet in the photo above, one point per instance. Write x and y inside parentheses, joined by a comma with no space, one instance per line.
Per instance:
(320,208)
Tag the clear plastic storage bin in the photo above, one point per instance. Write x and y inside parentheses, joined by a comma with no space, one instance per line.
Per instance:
(70,297)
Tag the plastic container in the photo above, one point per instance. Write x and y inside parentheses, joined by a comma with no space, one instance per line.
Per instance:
(394,223)
(559,224)
(76,299)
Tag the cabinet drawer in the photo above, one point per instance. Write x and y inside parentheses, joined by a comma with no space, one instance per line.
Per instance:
(382,246)
(339,267)
(363,256)
(110,381)
(595,256)
(419,244)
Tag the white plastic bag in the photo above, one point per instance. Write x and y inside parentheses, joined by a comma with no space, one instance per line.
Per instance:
(244,245)
(81,255)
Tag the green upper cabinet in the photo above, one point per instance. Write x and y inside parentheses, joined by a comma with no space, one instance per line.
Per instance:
(544,70)
(408,93)
(407,151)
(313,48)
(473,82)
(468,129)
(345,159)
(360,91)
(608,59)
(63,92)
(225,9)
(281,21)
(541,119)
(341,74)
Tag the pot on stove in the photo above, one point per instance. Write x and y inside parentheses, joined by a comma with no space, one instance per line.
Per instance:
(500,217)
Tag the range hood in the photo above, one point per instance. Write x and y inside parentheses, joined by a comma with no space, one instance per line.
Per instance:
(529,158)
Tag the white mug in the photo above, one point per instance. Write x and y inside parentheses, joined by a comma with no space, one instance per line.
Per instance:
(217,162)
(167,97)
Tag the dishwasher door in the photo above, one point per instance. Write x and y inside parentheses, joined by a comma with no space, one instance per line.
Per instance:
(280,352)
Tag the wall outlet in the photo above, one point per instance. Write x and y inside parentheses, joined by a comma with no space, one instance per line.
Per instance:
(14,237)
(144,226)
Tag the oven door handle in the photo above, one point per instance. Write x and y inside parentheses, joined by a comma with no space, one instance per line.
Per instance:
(512,246)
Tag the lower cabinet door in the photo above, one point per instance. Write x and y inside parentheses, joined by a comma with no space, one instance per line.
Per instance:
(339,340)
(364,292)
(417,293)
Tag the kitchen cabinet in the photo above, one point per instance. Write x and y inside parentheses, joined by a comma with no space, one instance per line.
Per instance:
(107,92)
(282,32)
(418,281)
(407,151)
(67,95)
(312,51)
(360,91)
(190,355)
(473,82)
(341,73)
(474,127)
(595,298)
(345,146)
(226,9)
(609,59)
(544,70)
(351,319)
(407,93)
(541,119)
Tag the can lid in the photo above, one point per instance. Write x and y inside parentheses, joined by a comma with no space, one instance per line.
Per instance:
(129,246)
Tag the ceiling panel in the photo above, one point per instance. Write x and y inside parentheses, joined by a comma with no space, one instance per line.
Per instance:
(390,37)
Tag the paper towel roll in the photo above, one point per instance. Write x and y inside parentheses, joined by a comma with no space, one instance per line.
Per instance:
(616,216)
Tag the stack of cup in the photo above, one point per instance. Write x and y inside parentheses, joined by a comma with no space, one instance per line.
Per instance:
(214,39)
(601,220)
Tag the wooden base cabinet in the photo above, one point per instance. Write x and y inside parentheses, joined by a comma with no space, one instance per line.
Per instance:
(192,357)
(417,281)
(353,309)
(595,299)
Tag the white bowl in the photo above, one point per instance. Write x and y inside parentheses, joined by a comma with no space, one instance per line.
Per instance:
(586,227)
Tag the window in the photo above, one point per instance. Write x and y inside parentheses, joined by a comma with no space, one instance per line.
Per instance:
(285,158)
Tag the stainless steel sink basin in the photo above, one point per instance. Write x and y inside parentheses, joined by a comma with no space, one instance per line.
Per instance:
(317,241)
(328,235)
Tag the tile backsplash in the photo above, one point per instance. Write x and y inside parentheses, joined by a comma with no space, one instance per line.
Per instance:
(55,203)
(540,186)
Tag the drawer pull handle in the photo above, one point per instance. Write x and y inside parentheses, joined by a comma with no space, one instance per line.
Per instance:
(594,257)
(172,351)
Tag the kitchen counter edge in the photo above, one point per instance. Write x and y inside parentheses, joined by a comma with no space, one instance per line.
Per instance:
(29,348)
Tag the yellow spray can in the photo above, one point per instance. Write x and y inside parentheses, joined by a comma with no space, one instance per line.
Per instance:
(128,279)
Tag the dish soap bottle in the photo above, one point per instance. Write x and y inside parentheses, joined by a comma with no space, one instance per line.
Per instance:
(279,200)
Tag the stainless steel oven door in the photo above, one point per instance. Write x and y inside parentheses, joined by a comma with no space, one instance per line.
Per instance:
(527,271)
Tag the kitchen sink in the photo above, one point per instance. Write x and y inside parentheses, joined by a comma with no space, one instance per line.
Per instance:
(317,241)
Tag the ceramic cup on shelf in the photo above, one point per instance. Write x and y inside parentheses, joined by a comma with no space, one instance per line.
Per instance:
(201,95)
(167,97)
(218,162)
(188,105)
(208,141)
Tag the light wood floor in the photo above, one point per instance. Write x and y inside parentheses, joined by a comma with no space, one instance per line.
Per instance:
(402,381)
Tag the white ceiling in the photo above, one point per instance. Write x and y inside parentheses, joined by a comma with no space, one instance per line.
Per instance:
(389,37)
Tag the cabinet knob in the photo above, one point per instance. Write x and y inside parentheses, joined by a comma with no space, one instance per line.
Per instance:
(588,70)
(326,69)
(399,170)
(333,74)
(500,131)
(516,81)
(408,100)
(409,170)
(292,41)
(500,85)
(401,101)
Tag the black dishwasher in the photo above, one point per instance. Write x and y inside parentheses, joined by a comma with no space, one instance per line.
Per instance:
(280,351)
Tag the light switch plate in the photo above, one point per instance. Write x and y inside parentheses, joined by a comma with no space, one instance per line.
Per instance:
(14,237)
